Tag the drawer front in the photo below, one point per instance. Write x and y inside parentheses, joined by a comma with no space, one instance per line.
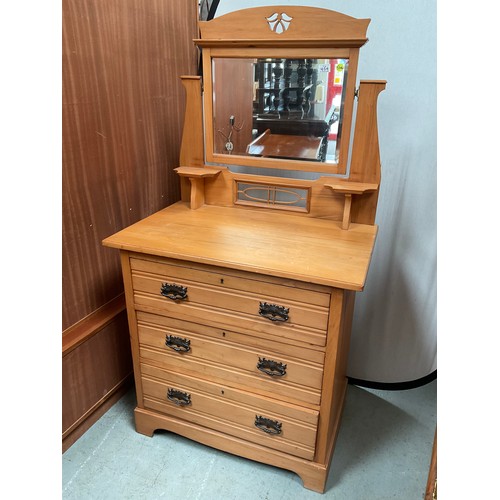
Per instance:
(258,307)
(270,368)
(216,276)
(288,428)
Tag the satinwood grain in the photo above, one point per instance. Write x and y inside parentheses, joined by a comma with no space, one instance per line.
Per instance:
(283,245)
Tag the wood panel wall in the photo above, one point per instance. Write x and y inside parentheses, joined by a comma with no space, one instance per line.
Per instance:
(123,107)
(233,80)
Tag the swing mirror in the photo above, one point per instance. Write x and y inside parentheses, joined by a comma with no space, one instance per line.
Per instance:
(279,108)
(284,99)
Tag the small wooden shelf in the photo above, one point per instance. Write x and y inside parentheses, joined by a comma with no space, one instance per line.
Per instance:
(197,172)
(348,188)
(197,176)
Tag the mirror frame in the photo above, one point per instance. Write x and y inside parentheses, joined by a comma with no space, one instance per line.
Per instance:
(311,33)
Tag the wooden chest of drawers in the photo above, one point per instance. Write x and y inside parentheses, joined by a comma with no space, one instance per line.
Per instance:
(240,297)
(249,374)
(252,363)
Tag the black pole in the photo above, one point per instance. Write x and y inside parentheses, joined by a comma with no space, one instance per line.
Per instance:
(210,16)
(213,9)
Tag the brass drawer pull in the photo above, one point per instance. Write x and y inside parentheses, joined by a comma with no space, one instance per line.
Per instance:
(178,397)
(267,425)
(178,344)
(173,291)
(273,312)
(272,368)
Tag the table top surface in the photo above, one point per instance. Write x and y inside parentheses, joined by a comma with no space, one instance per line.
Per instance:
(285,146)
(279,244)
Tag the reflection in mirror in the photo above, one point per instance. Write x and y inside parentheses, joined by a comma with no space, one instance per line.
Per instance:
(279,108)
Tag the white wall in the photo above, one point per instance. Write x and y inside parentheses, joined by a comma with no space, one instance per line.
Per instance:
(394,330)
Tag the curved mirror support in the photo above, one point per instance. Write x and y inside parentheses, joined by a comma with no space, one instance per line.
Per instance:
(278,108)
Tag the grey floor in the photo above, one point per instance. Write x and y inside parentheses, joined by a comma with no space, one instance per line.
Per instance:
(383,451)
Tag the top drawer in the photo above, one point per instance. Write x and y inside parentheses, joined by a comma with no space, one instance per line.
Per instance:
(251,303)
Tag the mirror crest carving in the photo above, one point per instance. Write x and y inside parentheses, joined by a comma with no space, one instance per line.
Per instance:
(279,23)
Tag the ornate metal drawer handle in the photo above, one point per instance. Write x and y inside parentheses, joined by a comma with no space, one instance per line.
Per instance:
(273,312)
(178,344)
(272,368)
(267,425)
(173,291)
(178,397)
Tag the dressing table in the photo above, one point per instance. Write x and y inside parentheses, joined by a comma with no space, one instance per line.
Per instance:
(240,297)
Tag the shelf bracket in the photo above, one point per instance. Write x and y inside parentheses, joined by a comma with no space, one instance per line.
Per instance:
(348,189)
(197,176)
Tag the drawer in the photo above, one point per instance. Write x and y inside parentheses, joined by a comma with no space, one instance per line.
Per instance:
(208,295)
(292,372)
(277,425)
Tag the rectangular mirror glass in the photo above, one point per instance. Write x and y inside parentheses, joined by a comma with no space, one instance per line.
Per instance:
(278,108)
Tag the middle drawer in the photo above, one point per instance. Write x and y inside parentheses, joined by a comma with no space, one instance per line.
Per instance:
(271,368)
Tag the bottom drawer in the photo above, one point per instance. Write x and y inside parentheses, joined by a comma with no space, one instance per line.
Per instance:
(280,426)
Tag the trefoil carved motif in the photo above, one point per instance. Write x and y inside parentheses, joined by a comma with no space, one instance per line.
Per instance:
(279,23)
